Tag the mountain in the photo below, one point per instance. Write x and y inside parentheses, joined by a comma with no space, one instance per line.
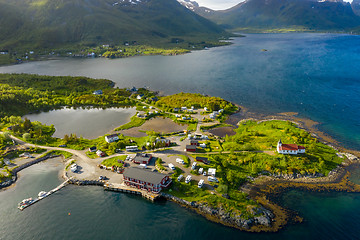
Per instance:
(298,14)
(55,23)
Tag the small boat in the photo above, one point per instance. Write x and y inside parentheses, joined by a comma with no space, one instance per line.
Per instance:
(24,203)
(42,194)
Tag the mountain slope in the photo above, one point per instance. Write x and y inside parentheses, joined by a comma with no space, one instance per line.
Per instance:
(51,23)
(270,14)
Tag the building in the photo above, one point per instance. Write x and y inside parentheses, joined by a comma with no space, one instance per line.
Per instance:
(139,97)
(164,141)
(147,180)
(212,171)
(132,148)
(289,148)
(100,153)
(92,149)
(98,92)
(111,138)
(194,142)
(142,158)
(191,148)
(203,159)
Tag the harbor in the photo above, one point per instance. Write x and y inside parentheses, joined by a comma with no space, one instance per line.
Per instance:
(123,188)
(28,202)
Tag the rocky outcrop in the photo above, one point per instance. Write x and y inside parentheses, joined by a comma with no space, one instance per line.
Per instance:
(262,216)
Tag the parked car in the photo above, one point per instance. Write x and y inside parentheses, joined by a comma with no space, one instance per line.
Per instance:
(204,173)
(179,160)
(193,166)
(180,177)
(201,183)
(188,179)
(201,170)
(212,179)
(171,166)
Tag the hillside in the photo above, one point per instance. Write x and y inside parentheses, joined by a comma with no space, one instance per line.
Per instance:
(40,24)
(295,14)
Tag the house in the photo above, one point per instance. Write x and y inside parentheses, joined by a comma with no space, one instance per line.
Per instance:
(167,142)
(289,148)
(140,96)
(133,89)
(183,108)
(142,158)
(212,171)
(154,99)
(141,178)
(92,149)
(111,138)
(176,109)
(202,159)
(206,109)
(194,142)
(191,148)
(132,148)
(98,92)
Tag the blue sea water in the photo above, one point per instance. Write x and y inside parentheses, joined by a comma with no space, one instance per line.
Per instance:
(316,75)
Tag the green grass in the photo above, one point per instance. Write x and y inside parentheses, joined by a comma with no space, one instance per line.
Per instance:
(65,154)
(192,126)
(135,122)
(114,161)
(159,166)
(70,163)
(91,155)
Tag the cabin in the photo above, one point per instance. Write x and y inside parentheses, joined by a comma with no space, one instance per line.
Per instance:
(203,160)
(191,148)
(100,153)
(142,158)
(144,179)
(194,142)
(293,149)
(111,138)
(139,97)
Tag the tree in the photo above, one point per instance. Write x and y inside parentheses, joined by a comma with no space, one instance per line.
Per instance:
(27,124)
(26,136)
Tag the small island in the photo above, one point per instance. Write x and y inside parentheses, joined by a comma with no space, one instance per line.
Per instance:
(181,147)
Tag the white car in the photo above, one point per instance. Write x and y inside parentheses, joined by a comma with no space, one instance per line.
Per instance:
(201,183)
(188,179)
(171,166)
(212,179)
(180,177)
(193,166)
(201,170)
(204,173)
(179,160)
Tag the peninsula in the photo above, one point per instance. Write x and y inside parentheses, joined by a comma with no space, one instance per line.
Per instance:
(183,147)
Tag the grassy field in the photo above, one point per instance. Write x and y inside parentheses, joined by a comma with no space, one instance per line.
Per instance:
(135,122)
(114,161)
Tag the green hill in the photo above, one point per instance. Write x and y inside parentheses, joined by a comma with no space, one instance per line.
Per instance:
(296,14)
(40,24)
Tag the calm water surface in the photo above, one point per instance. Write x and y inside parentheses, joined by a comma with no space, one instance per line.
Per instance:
(88,123)
(316,75)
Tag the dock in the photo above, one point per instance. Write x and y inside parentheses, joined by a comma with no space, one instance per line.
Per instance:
(125,189)
(46,195)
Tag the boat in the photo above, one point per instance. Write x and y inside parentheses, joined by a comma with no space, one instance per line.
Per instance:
(24,203)
(42,194)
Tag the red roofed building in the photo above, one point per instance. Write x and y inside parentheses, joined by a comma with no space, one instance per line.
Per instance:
(289,148)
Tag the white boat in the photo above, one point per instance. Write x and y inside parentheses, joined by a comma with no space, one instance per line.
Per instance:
(24,203)
(42,194)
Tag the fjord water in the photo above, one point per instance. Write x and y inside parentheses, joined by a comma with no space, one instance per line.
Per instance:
(316,75)
(79,212)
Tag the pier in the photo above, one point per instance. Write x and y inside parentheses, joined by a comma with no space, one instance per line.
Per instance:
(123,188)
(46,195)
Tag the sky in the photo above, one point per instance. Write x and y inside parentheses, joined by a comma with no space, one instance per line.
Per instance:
(218,4)
(224,4)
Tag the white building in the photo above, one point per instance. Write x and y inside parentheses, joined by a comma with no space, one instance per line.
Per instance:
(111,138)
(212,172)
(289,148)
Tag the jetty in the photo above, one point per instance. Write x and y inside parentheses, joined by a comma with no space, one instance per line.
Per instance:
(22,207)
(126,189)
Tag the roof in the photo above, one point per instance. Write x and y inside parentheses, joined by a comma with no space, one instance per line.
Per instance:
(201,158)
(194,141)
(291,147)
(144,175)
(112,136)
(190,147)
(142,157)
